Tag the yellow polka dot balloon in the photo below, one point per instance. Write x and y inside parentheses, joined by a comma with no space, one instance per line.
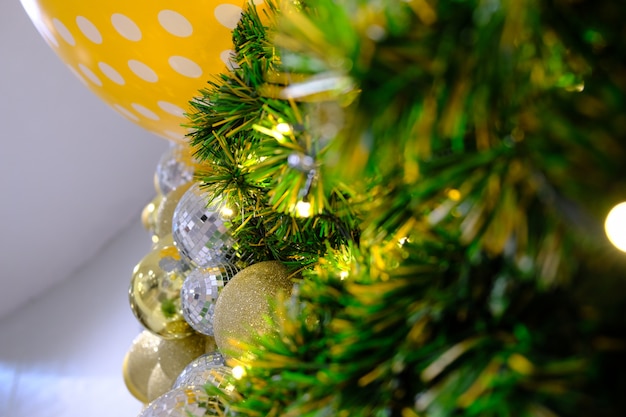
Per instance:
(145,58)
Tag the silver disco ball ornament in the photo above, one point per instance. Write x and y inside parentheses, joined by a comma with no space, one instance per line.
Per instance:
(182,402)
(206,369)
(202,233)
(175,168)
(199,293)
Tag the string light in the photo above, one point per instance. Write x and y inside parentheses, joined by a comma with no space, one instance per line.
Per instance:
(283,128)
(226,212)
(303,209)
(238,372)
(615,226)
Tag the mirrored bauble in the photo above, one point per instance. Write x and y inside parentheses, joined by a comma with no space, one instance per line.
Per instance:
(154,293)
(182,402)
(199,293)
(174,169)
(202,233)
(203,370)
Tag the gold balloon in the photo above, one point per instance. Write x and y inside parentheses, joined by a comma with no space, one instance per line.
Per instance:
(146,59)
(138,363)
(243,304)
(154,293)
(175,355)
(166,210)
(159,383)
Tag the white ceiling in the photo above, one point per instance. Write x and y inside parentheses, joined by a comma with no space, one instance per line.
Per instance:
(73,172)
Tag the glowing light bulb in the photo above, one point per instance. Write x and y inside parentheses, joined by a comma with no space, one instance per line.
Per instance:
(303,209)
(283,128)
(454,195)
(238,372)
(615,226)
(226,212)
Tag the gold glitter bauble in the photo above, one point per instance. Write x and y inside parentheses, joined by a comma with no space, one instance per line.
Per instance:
(159,383)
(243,304)
(154,293)
(138,363)
(165,213)
(175,355)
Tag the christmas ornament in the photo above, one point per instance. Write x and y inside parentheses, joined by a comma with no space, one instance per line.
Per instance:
(243,304)
(145,59)
(210,345)
(203,370)
(149,213)
(163,226)
(138,363)
(201,232)
(182,402)
(175,168)
(158,383)
(174,355)
(199,293)
(154,293)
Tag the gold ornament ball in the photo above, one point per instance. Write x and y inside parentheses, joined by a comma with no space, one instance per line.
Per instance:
(165,213)
(149,212)
(154,293)
(138,363)
(175,355)
(158,383)
(243,304)
(210,345)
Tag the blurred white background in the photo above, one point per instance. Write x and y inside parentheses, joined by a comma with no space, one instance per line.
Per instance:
(74,177)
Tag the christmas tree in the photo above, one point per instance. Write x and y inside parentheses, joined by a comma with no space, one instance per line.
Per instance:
(435,177)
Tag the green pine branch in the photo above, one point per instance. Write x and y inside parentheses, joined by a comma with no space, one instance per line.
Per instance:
(463,157)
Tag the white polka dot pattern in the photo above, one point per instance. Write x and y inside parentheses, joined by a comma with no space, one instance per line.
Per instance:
(145,60)
(63,31)
(89,29)
(90,75)
(143,71)
(111,73)
(175,23)
(126,27)
(185,66)
(171,108)
(228,15)
(145,111)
